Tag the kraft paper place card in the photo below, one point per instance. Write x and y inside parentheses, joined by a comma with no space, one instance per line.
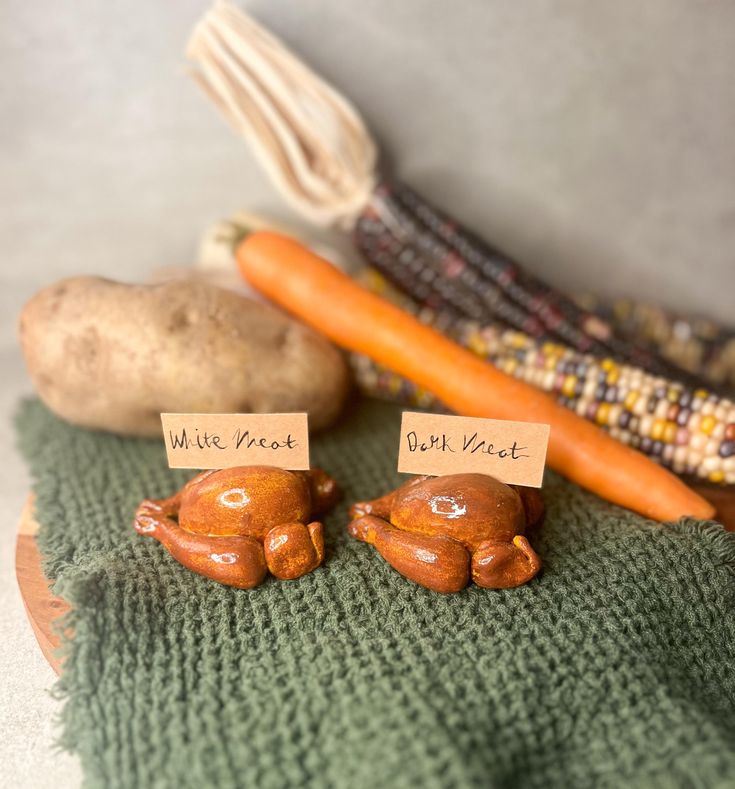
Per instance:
(205,441)
(438,444)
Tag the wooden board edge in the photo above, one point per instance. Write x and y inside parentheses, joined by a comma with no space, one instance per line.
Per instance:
(723,500)
(42,607)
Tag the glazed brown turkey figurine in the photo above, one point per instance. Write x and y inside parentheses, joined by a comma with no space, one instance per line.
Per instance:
(236,524)
(440,531)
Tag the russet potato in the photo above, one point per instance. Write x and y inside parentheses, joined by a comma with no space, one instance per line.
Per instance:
(113,356)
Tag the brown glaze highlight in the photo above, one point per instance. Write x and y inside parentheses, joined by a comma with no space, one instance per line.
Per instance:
(442,531)
(236,524)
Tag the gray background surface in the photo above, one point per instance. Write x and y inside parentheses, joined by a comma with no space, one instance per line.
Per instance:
(593,140)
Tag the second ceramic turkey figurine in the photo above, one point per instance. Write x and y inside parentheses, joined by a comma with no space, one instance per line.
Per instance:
(442,531)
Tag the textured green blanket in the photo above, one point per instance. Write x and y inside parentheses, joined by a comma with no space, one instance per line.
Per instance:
(614,667)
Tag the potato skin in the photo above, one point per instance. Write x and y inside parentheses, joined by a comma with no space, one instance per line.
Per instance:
(113,356)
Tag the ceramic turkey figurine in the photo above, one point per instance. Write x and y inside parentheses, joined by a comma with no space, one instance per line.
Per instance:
(442,531)
(236,524)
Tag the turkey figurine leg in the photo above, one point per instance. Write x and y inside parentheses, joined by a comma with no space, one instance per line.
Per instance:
(438,563)
(292,549)
(233,561)
(502,565)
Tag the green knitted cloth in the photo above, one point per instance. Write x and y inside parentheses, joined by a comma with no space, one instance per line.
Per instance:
(614,667)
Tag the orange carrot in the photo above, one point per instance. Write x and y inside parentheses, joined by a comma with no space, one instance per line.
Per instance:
(327,299)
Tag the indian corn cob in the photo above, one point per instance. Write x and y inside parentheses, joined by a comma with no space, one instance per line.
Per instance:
(696,344)
(442,265)
(692,431)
